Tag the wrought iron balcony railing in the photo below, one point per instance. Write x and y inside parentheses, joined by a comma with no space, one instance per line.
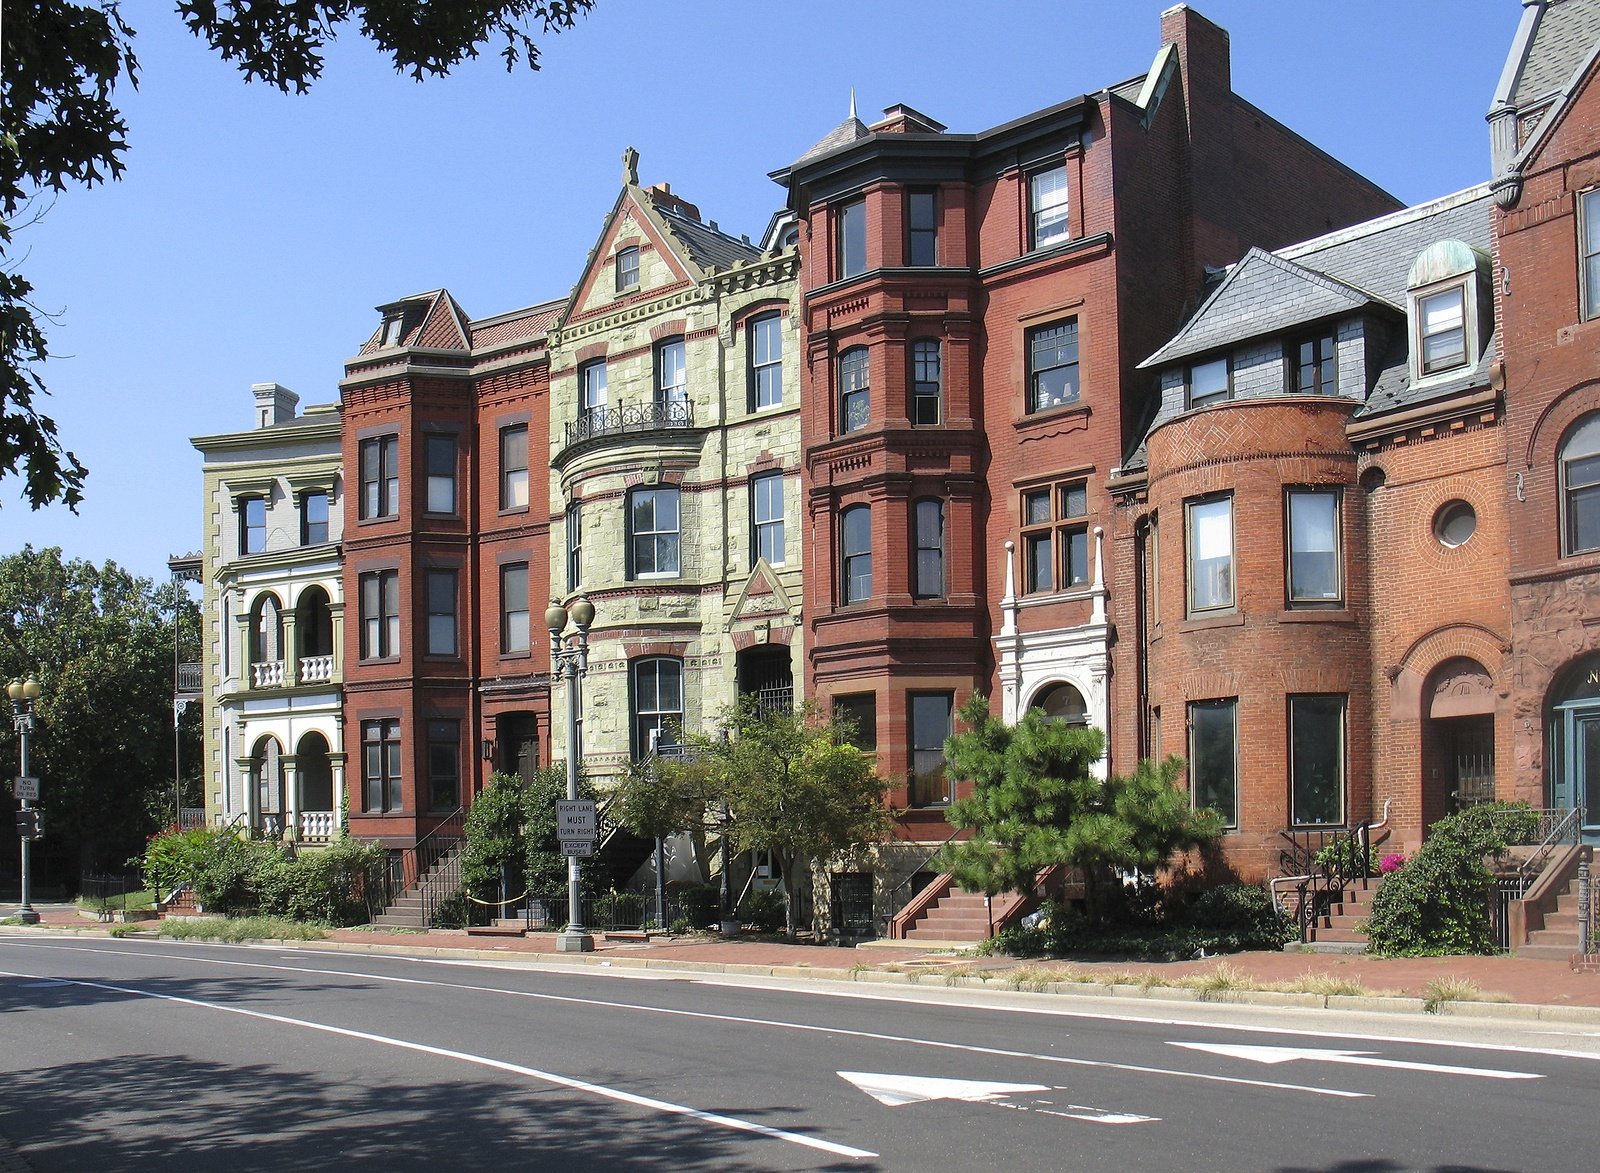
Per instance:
(597,422)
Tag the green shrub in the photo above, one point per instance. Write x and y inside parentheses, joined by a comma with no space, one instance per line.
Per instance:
(1438,903)
(338,885)
(621,909)
(764,910)
(243,928)
(699,905)
(171,858)
(1343,856)
(1240,912)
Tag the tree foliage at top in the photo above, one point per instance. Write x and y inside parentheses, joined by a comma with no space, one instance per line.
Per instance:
(100,640)
(789,782)
(60,64)
(1037,804)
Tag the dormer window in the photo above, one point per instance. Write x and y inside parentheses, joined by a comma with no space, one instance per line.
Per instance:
(1210,382)
(1047,207)
(394,328)
(627,269)
(1448,299)
(1442,330)
(1312,366)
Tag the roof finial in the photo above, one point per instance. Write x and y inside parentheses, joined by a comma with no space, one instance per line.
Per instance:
(630,167)
(852,101)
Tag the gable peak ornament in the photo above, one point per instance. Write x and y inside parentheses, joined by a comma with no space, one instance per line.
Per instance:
(630,167)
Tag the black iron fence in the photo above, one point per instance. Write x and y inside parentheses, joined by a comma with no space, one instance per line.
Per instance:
(614,912)
(595,422)
(109,893)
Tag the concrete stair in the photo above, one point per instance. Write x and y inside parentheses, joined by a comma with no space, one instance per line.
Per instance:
(958,916)
(409,910)
(1558,939)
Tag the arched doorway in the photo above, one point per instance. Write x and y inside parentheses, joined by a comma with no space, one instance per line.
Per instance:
(314,633)
(1062,703)
(1458,756)
(315,775)
(266,770)
(766,672)
(1573,725)
(266,642)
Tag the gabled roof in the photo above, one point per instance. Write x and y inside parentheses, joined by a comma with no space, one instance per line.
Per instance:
(1262,294)
(1543,59)
(431,319)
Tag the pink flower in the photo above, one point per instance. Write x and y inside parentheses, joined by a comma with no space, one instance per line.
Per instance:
(1391,863)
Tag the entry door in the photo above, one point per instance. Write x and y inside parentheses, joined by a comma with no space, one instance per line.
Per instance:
(1576,768)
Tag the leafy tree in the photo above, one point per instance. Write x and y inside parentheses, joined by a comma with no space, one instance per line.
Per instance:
(1036,804)
(545,866)
(495,846)
(100,640)
(790,785)
(60,64)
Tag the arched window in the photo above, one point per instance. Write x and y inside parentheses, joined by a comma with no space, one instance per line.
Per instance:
(266,631)
(657,702)
(1580,487)
(1063,703)
(855,554)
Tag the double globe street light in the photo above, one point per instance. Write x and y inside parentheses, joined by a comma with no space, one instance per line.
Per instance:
(569,658)
(23,694)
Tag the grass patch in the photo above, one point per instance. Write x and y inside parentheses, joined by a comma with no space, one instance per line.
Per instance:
(1221,980)
(243,928)
(1327,985)
(396,930)
(1454,989)
(132,901)
(10,920)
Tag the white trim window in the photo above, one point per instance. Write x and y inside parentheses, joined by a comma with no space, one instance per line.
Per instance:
(1589,251)
(1580,488)
(1047,207)
(766,518)
(653,533)
(1442,329)
(672,378)
(1210,554)
(1314,572)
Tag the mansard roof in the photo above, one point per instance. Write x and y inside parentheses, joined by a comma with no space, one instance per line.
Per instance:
(1262,294)
(848,131)
(527,325)
(1562,37)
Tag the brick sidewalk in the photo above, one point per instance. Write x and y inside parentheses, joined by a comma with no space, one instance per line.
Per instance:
(1524,981)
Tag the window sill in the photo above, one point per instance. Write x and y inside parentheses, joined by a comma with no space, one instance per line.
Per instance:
(442,657)
(1340,615)
(1206,622)
(526,654)
(1062,413)
(514,511)
(382,517)
(378,660)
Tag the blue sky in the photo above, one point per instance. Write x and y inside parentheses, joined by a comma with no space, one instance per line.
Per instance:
(253,232)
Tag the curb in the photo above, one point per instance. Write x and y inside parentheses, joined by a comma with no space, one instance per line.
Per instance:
(1350,1003)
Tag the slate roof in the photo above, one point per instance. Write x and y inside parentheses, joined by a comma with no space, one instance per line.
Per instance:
(1566,32)
(848,131)
(710,248)
(1376,256)
(1262,294)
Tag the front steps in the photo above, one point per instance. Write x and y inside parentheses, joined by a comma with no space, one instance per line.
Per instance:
(1558,939)
(409,911)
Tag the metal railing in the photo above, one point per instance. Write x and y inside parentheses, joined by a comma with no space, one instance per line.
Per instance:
(110,893)
(191,678)
(897,897)
(432,867)
(596,422)
(617,912)
(1322,865)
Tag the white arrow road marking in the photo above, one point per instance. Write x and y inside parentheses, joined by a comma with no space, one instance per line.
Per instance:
(896,1091)
(1351,1058)
(577,1085)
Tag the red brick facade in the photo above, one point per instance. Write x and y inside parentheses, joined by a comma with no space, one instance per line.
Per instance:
(1155,193)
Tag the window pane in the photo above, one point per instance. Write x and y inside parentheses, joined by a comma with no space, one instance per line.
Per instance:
(926,382)
(1444,336)
(852,239)
(860,711)
(930,725)
(1077,569)
(627,268)
(1047,192)
(1211,554)
(930,549)
(514,608)
(854,406)
(923,242)
(314,518)
(1313,547)
(1036,508)
(1040,563)
(1316,728)
(766,362)
(1214,765)
(856,553)
(441,462)
(1054,366)
(672,380)
(1208,381)
(1074,500)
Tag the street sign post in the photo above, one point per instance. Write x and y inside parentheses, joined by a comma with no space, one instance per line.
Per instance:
(575,818)
(582,848)
(26,788)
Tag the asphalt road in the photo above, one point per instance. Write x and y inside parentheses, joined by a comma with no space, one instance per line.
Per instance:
(162,1055)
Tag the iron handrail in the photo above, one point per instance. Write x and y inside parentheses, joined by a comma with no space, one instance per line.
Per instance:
(893,898)
(1568,827)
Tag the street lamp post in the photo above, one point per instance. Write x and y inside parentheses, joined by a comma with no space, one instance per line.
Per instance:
(23,693)
(569,658)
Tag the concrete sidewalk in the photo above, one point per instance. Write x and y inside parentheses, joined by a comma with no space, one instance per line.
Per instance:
(1510,986)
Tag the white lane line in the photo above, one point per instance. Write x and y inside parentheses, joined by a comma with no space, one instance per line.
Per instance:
(593,1089)
(738,1020)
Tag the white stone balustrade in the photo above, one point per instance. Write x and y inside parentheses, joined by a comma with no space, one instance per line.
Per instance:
(317,826)
(316,669)
(268,674)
